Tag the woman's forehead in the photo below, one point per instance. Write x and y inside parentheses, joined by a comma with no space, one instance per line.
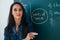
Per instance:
(17,6)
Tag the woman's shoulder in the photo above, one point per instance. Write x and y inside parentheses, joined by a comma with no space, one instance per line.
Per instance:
(6,29)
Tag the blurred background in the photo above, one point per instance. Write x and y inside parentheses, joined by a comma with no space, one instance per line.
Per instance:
(44,15)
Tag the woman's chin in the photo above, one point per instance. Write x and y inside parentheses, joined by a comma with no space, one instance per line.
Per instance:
(17,17)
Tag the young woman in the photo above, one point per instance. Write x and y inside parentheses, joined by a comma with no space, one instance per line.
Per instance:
(17,28)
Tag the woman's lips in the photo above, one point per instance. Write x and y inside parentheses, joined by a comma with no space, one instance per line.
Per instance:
(18,15)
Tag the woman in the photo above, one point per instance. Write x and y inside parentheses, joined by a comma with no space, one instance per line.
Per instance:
(17,28)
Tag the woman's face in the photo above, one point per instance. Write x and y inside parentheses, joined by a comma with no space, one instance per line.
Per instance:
(17,11)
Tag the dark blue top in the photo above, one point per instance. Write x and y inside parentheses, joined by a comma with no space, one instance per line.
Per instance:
(15,35)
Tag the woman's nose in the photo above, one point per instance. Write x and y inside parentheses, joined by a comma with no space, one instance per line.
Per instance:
(17,12)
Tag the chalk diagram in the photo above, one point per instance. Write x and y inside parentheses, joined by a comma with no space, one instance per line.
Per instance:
(39,16)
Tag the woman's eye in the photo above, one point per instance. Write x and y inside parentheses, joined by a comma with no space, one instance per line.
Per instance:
(20,9)
(15,9)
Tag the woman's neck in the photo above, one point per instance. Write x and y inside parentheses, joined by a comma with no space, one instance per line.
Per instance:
(17,22)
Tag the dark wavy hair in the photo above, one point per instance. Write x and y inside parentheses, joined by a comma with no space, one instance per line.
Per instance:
(11,21)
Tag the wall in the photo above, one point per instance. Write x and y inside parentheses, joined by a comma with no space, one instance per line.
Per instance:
(4,11)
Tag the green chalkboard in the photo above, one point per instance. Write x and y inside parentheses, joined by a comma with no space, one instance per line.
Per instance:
(44,16)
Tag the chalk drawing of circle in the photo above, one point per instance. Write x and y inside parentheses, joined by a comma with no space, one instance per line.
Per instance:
(39,16)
